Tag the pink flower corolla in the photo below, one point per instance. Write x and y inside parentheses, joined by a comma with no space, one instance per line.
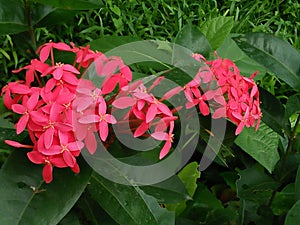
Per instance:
(114,72)
(47,49)
(32,70)
(85,56)
(101,118)
(27,106)
(48,161)
(13,93)
(163,136)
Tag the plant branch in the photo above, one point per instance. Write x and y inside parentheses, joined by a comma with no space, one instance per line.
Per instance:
(30,26)
(290,144)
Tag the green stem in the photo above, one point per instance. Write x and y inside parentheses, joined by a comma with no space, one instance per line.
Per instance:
(30,26)
(292,138)
(290,144)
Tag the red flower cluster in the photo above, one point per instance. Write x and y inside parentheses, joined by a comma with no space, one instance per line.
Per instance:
(63,112)
(45,102)
(229,93)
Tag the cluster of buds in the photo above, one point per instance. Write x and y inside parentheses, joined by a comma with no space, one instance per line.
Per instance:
(63,112)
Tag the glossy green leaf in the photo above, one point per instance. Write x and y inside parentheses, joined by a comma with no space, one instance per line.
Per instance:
(217,29)
(273,112)
(12,17)
(246,65)
(254,185)
(193,39)
(128,204)
(169,191)
(293,216)
(292,106)
(275,54)
(261,145)
(73,5)
(26,199)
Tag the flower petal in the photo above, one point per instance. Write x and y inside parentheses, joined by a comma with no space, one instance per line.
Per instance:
(47,173)
(123,102)
(161,136)
(69,158)
(151,113)
(103,130)
(89,119)
(90,142)
(21,124)
(165,150)
(36,157)
(141,129)
(17,144)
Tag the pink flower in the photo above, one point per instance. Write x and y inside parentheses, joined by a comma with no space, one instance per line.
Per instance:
(102,119)
(27,106)
(47,48)
(59,69)
(163,136)
(38,158)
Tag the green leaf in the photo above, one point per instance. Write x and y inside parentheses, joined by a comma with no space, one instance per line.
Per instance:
(109,42)
(184,221)
(261,145)
(230,178)
(217,29)
(202,205)
(70,218)
(91,211)
(222,216)
(293,216)
(292,106)
(188,175)
(177,62)
(73,5)
(297,185)
(26,199)
(53,16)
(12,17)
(168,191)
(246,65)
(193,39)
(8,131)
(275,54)
(254,185)
(283,200)
(128,204)
(273,112)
